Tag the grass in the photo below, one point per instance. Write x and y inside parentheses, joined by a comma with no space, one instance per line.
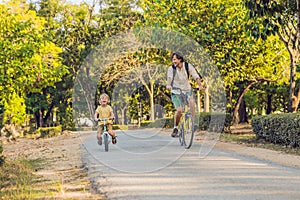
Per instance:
(18,181)
(249,139)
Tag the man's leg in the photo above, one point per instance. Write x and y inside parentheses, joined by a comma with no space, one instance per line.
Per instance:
(99,134)
(192,107)
(193,111)
(177,116)
(176,103)
(176,121)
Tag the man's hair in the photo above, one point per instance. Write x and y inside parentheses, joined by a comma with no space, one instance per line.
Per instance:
(178,56)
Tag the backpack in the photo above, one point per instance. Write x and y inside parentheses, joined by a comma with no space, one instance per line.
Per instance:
(186,65)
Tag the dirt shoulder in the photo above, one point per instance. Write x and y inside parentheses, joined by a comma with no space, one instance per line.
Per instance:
(260,153)
(62,170)
(63,164)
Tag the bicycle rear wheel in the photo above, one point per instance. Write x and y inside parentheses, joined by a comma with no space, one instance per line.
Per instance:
(105,138)
(188,134)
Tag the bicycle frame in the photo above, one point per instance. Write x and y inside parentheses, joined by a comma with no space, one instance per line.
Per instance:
(105,134)
(186,128)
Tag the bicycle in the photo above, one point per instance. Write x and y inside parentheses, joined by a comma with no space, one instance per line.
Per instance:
(105,135)
(186,126)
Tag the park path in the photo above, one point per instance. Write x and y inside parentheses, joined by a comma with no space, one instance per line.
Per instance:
(148,164)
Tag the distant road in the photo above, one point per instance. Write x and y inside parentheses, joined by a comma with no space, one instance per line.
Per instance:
(147,164)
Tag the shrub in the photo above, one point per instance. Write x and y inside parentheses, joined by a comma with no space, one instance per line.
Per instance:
(278,128)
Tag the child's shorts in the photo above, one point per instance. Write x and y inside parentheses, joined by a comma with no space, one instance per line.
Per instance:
(108,126)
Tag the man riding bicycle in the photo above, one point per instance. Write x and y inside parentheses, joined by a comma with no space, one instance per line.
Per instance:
(178,77)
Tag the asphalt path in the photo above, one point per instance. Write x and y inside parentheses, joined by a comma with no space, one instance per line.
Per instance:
(149,164)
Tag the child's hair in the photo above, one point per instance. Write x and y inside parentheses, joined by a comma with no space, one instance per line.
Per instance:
(104,95)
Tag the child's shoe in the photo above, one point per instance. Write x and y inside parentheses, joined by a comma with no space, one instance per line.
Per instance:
(114,140)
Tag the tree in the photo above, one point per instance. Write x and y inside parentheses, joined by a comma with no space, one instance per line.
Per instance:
(148,76)
(219,27)
(281,17)
(68,26)
(30,61)
(142,69)
(78,29)
(113,18)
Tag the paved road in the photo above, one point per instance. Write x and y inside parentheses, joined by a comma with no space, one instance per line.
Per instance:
(150,165)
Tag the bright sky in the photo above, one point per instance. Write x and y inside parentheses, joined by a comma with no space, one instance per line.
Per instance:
(80,1)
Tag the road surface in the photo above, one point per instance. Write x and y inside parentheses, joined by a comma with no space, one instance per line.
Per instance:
(148,164)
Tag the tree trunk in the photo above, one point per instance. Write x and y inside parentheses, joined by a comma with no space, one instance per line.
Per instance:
(48,114)
(230,100)
(115,111)
(269,104)
(243,112)
(38,119)
(152,112)
(123,115)
(298,18)
(159,110)
(293,103)
(236,118)
(206,99)
(198,102)
(294,52)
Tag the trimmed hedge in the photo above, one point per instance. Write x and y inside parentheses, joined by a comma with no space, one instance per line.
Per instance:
(278,128)
(159,123)
(46,132)
(120,127)
(218,122)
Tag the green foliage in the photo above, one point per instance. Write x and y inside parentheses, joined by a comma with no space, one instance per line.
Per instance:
(29,61)
(270,16)
(275,95)
(219,122)
(14,110)
(278,17)
(219,26)
(278,128)
(65,114)
(44,45)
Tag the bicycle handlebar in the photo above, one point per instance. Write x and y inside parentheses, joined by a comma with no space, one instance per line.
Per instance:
(176,88)
(104,119)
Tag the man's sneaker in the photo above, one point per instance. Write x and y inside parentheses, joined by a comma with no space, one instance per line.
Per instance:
(175,132)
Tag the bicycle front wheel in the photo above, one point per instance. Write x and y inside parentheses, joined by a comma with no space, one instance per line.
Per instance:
(105,138)
(188,134)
